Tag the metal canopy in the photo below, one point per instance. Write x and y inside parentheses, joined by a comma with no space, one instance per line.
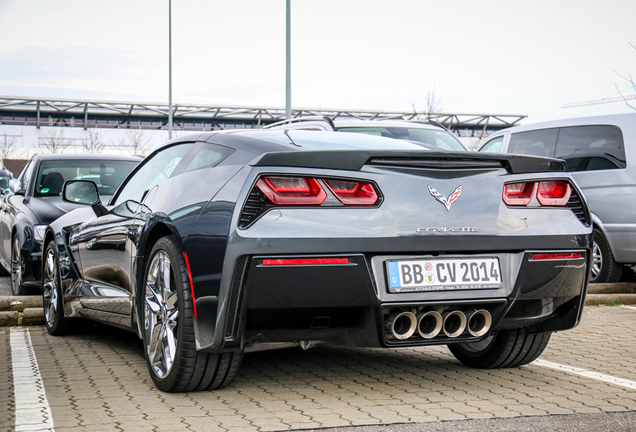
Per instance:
(108,114)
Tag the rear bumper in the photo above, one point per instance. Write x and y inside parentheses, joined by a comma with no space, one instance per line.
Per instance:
(350,305)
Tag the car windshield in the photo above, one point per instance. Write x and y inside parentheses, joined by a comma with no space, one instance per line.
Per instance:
(311,140)
(107,174)
(438,138)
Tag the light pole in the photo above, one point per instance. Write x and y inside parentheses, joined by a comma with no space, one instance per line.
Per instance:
(288,62)
(169,69)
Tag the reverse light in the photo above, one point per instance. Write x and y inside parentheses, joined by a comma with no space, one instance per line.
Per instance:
(292,190)
(353,192)
(553,193)
(518,194)
(304,261)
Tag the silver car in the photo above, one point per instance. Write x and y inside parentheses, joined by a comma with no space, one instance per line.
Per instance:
(430,135)
(600,152)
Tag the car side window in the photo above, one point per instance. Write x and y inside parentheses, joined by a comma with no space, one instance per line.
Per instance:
(493,146)
(155,170)
(206,156)
(26,174)
(603,144)
(535,143)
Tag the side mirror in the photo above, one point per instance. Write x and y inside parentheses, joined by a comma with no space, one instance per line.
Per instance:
(16,187)
(83,192)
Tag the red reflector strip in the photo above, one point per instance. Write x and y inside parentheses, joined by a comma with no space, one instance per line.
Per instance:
(194,303)
(305,261)
(556,256)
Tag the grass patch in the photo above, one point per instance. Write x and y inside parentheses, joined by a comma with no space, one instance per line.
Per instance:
(614,302)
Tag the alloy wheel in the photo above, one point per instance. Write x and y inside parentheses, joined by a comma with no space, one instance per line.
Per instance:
(16,267)
(597,261)
(50,288)
(161,314)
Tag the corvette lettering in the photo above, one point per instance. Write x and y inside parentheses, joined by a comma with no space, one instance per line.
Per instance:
(448,230)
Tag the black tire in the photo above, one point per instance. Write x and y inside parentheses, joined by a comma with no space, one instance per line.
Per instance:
(167,317)
(505,349)
(604,267)
(56,323)
(17,288)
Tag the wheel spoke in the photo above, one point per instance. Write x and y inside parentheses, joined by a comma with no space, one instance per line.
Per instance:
(154,299)
(154,347)
(169,346)
(171,302)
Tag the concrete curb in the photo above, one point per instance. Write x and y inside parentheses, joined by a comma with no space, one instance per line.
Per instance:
(25,310)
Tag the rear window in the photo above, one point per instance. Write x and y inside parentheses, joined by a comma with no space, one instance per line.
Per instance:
(332,140)
(438,138)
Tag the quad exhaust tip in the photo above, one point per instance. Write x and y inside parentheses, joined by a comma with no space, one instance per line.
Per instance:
(402,325)
(454,323)
(479,322)
(430,323)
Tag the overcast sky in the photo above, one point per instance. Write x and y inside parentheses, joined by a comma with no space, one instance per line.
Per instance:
(486,57)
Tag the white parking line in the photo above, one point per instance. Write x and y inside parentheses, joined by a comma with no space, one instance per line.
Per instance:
(32,410)
(586,373)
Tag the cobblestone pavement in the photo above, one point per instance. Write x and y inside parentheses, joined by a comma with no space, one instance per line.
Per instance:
(97,380)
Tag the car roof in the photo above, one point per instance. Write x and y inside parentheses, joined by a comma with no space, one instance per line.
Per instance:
(386,123)
(626,119)
(80,156)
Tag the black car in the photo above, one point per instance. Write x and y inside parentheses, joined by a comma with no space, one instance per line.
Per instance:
(5,178)
(34,201)
(232,241)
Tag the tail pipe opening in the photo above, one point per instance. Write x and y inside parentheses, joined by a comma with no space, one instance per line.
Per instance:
(478,322)
(402,325)
(429,323)
(454,323)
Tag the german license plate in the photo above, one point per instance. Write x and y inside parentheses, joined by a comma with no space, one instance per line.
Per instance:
(444,274)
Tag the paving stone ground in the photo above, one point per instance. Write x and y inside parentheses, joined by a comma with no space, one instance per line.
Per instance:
(97,380)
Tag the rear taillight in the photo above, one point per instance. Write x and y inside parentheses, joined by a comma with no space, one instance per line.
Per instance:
(548,193)
(553,193)
(556,256)
(353,192)
(304,261)
(310,191)
(518,193)
(292,190)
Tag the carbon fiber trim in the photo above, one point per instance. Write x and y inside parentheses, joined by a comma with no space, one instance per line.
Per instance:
(235,296)
(437,163)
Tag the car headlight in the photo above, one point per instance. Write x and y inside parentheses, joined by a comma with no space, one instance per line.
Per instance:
(38,232)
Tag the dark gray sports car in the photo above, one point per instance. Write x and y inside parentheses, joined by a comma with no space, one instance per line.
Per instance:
(230,241)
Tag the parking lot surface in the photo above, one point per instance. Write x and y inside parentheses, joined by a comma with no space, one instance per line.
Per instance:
(97,380)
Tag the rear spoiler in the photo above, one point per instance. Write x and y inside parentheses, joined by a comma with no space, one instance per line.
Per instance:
(354,160)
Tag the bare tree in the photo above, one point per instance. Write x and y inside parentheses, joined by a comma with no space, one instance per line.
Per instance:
(54,141)
(433,105)
(631,82)
(7,143)
(93,143)
(135,142)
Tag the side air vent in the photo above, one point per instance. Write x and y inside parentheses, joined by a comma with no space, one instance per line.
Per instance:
(575,203)
(254,206)
(436,163)
(235,296)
